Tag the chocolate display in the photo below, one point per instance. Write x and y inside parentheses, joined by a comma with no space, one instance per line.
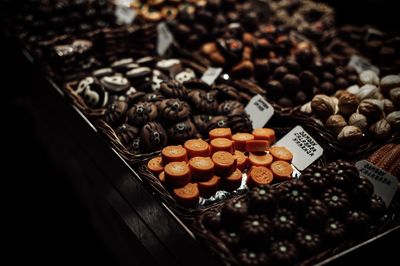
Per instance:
(359,113)
(304,221)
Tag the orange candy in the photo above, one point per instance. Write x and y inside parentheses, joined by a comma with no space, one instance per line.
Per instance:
(260,159)
(264,134)
(201,168)
(224,162)
(197,147)
(210,187)
(187,195)
(259,175)
(240,140)
(221,144)
(282,170)
(221,132)
(233,181)
(257,145)
(281,153)
(177,174)
(155,166)
(173,154)
(241,160)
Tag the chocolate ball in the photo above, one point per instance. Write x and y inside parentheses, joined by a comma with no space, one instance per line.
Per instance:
(291,83)
(275,89)
(285,102)
(341,84)
(327,88)
(280,72)
(293,66)
(300,98)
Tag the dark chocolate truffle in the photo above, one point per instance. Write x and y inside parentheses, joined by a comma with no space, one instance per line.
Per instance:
(174,110)
(262,199)
(334,232)
(174,89)
(126,133)
(116,113)
(141,113)
(284,223)
(153,137)
(252,258)
(256,230)
(295,195)
(212,221)
(204,102)
(283,253)
(230,238)
(307,242)
(291,83)
(201,122)
(316,214)
(233,213)
(182,131)
(230,107)
(357,222)
(336,200)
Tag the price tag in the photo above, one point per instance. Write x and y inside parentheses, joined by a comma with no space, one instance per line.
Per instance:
(211,75)
(385,185)
(304,148)
(125,15)
(360,64)
(164,38)
(260,111)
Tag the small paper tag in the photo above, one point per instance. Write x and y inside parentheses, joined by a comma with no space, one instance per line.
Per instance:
(260,111)
(360,64)
(385,185)
(164,39)
(211,75)
(304,148)
(125,15)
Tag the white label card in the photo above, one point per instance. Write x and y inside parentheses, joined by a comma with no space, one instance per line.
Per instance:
(125,15)
(385,185)
(211,75)
(260,111)
(164,38)
(360,64)
(304,148)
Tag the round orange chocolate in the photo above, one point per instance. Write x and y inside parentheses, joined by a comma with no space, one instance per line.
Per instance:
(173,154)
(177,174)
(201,168)
(210,187)
(282,170)
(233,181)
(281,153)
(221,144)
(240,140)
(264,134)
(259,175)
(260,159)
(220,132)
(197,147)
(241,160)
(188,195)
(155,165)
(224,163)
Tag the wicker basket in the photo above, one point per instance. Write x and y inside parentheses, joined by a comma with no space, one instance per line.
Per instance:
(221,251)
(332,147)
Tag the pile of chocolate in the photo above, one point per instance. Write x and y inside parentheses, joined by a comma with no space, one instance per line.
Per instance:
(370,109)
(151,103)
(300,218)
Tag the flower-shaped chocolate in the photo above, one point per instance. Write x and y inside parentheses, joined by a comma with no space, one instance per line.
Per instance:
(263,200)
(256,230)
(336,200)
(284,223)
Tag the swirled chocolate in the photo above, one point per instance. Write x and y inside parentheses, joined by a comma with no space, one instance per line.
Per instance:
(174,89)
(116,113)
(126,133)
(217,121)
(92,92)
(182,131)
(152,137)
(142,113)
(204,101)
(240,122)
(174,110)
(230,107)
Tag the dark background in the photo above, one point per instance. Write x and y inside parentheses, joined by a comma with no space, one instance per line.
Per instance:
(46,222)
